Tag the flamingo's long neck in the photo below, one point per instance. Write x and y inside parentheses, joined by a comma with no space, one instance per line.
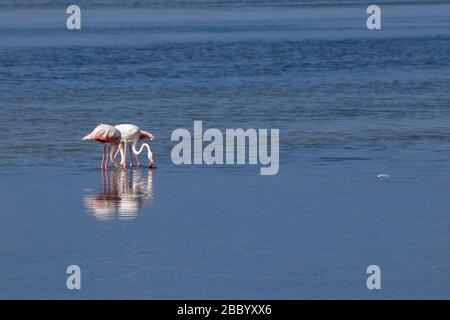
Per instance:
(144,145)
(113,153)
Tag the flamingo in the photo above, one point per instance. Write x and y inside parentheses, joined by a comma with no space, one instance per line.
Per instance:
(106,135)
(131,135)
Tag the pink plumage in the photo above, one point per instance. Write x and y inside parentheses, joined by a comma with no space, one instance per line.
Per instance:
(107,135)
(104,133)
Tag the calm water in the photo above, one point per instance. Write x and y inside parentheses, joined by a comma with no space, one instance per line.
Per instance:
(350,104)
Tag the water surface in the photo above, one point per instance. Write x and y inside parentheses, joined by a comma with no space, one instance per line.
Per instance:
(350,104)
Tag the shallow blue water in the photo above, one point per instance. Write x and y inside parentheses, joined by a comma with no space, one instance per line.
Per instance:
(349,103)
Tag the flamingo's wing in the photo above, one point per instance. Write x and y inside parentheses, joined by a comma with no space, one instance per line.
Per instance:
(129,132)
(104,133)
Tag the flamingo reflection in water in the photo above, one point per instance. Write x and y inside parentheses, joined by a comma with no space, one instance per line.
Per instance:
(122,195)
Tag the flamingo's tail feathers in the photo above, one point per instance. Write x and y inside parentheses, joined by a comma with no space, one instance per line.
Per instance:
(146,135)
(88,137)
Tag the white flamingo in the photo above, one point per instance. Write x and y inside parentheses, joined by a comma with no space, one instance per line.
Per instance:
(106,135)
(131,135)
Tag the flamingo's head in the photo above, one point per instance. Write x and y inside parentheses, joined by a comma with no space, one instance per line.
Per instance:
(145,135)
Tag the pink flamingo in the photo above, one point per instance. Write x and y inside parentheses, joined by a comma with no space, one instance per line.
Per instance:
(106,135)
(131,135)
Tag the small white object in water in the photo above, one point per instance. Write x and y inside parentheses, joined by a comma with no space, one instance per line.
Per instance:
(383,176)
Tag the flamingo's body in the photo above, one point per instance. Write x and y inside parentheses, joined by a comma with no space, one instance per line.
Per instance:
(131,135)
(106,135)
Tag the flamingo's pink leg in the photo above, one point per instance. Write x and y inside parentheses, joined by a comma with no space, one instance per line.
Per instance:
(103,158)
(131,157)
(108,183)
(138,161)
(104,182)
(124,160)
(107,157)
